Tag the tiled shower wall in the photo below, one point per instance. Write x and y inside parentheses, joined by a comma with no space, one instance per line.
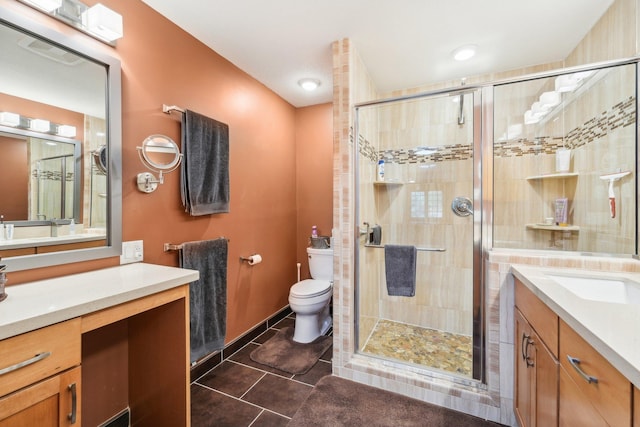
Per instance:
(599,128)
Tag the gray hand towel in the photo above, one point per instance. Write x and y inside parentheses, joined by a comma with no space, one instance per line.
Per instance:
(207,295)
(205,165)
(400,270)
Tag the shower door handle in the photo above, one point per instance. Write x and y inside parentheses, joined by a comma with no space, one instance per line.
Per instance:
(462,206)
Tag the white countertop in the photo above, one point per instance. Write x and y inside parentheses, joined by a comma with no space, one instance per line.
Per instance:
(612,329)
(34,305)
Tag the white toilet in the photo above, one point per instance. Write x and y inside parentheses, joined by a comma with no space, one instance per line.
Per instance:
(309,298)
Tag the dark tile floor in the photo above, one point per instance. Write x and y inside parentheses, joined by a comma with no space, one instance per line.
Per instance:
(240,392)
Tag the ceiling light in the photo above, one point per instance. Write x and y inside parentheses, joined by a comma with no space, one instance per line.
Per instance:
(464,52)
(66,131)
(309,84)
(39,125)
(9,119)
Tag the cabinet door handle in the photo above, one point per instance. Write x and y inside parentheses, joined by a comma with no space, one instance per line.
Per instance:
(528,359)
(523,349)
(38,357)
(575,362)
(74,403)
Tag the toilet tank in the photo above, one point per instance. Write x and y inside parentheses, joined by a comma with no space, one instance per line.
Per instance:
(321,263)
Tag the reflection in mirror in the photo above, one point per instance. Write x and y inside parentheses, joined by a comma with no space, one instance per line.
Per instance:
(44,173)
(555,137)
(59,104)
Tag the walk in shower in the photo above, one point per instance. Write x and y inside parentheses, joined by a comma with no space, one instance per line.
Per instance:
(545,162)
(429,146)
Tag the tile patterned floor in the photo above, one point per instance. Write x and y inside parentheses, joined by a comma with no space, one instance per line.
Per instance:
(421,346)
(240,392)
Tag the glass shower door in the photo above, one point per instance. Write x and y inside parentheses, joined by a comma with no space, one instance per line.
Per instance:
(425,199)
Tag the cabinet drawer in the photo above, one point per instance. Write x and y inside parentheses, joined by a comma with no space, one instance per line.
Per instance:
(541,318)
(38,354)
(610,393)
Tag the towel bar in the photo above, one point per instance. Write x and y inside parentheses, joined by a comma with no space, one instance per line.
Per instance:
(419,249)
(168,109)
(174,247)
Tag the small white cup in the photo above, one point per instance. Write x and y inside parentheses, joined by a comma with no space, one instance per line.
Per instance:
(548,221)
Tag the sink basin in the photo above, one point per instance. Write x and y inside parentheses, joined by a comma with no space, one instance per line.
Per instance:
(600,289)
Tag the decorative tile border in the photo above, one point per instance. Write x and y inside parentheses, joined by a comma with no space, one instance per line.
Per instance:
(620,115)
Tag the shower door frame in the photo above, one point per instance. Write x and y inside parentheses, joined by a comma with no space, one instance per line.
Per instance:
(482,128)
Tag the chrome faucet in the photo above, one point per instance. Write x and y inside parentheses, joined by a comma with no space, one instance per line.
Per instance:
(55,226)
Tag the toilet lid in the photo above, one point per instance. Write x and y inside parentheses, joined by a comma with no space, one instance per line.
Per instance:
(310,288)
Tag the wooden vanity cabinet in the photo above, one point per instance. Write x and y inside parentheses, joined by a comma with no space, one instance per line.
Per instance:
(536,366)
(40,377)
(560,379)
(602,385)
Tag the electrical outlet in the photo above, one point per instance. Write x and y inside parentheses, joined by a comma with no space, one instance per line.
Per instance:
(132,251)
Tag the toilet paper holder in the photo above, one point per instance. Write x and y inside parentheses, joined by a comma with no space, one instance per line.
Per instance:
(252,259)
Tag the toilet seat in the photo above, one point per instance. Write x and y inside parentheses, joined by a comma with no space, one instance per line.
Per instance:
(310,288)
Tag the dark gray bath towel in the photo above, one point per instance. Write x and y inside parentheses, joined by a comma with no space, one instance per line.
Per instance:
(400,269)
(208,295)
(205,165)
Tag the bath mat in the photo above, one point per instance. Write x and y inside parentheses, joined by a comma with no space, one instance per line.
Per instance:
(281,352)
(337,402)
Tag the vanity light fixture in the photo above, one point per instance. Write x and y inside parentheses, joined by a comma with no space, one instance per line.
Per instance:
(47,5)
(309,84)
(98,21)
(9,119)
(464,52)
(66,131)
(39,125)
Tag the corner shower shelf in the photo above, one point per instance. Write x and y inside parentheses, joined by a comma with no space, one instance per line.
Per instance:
(387,183)
(553,227)
(553,176)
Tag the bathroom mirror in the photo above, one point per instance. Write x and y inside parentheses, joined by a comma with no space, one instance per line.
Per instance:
(56,89)
(160,153)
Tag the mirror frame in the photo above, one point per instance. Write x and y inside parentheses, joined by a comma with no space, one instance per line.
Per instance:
(114,140)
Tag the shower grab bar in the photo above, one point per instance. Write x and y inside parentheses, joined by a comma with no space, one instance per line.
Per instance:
(419,249)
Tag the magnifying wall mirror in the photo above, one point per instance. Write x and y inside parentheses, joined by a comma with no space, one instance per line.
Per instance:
(160,154)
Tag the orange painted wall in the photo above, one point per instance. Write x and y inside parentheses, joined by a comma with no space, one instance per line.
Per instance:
(314,171)
(280,175)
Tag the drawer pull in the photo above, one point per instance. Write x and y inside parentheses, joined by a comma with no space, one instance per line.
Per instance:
(524,349)
(34,359)
(575,362)
(74,403)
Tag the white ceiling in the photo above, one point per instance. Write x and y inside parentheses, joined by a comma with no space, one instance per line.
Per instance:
(404,43)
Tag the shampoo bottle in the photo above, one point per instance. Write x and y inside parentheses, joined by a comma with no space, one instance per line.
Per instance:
(380,170)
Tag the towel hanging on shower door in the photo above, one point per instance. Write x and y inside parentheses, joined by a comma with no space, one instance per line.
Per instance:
(400,270)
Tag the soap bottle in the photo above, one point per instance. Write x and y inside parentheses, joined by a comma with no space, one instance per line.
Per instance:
(314,231)
(381,170)
(72,226)
(2,237)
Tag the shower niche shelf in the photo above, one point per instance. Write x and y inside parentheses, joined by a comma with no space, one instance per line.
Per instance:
(387,183)
(546,227)
(553,176)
